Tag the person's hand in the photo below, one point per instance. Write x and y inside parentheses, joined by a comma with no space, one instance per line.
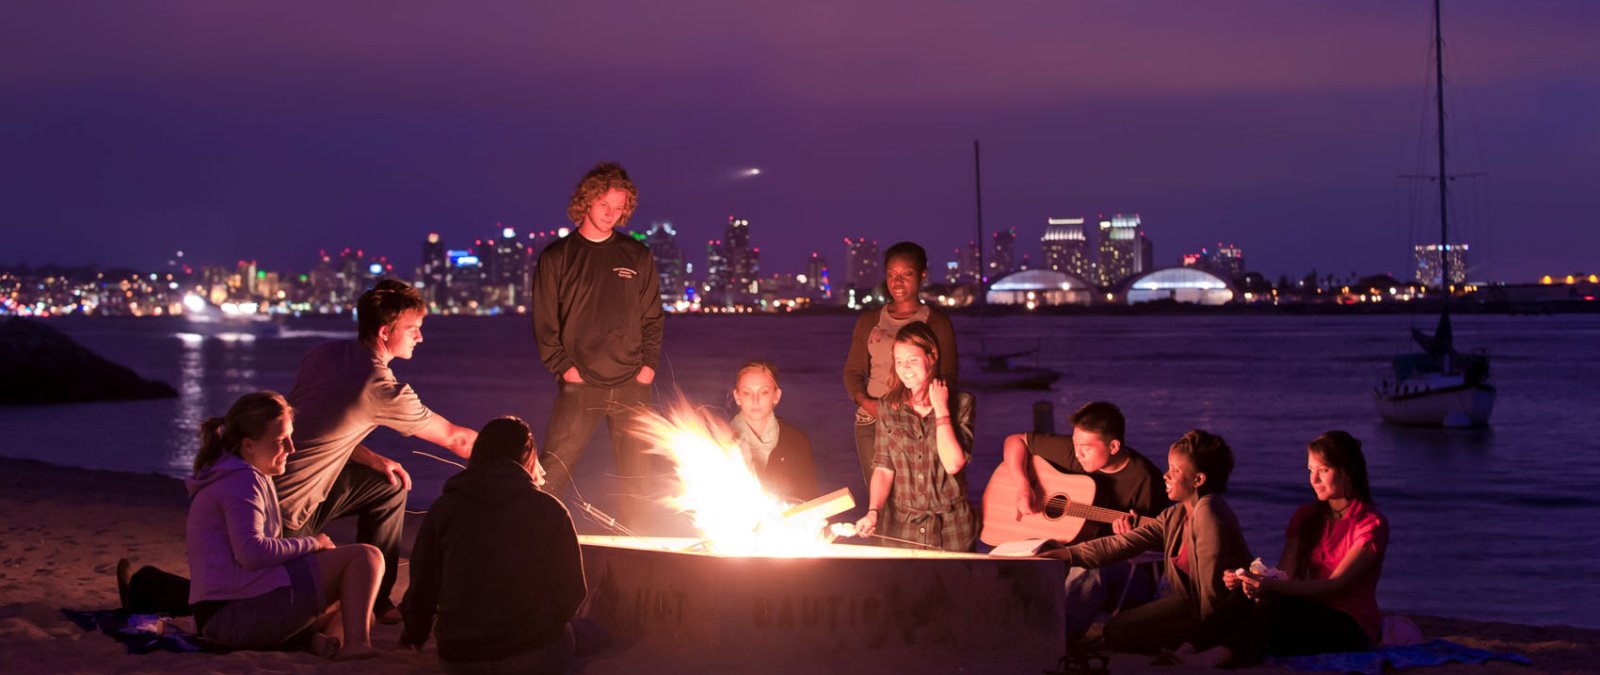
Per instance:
(324,543)
(1125,523)
(871,406)
(395,473)
(646,375)
(1230,579)
(939,397)
(1027,502)
(868,524)
(571,375)
(1251,585)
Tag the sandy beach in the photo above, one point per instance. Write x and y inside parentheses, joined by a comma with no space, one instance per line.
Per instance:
(64,529)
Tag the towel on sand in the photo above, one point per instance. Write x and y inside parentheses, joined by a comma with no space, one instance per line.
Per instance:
(141,633)
(1400,657)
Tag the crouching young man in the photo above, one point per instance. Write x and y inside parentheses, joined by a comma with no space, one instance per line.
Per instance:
(496,565)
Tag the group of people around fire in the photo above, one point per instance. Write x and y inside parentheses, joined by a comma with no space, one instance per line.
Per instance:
(496,575)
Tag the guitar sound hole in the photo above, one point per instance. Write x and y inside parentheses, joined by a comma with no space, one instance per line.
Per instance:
(1055,507)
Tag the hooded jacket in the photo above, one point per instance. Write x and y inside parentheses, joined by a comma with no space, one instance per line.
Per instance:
(497,561)
(233,545)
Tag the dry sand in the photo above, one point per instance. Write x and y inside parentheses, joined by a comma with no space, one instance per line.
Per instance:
(62,531)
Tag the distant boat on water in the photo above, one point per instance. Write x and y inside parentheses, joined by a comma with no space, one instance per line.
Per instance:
(1438,386)
(996,370)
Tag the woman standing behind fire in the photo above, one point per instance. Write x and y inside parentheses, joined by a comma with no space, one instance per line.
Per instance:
(924,439)
(869,371)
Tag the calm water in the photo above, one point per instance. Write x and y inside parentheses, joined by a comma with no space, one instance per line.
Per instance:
(1493,524)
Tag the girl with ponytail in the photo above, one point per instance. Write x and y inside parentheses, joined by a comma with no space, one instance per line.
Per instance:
(252,587)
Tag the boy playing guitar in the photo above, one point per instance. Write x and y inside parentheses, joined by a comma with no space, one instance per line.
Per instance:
(1123,481)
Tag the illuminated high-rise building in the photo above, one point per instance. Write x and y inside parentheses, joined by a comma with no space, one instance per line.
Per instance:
(1122,249)
(1065,245)
(1002,253)
(817,277)
(1430,266)
(863,266)
(744,261)
(431,274)
(670,265)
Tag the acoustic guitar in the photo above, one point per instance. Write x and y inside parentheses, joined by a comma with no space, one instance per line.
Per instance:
(1066,501)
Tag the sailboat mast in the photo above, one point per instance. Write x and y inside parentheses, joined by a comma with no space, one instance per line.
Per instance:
(977,175)
(1444,179)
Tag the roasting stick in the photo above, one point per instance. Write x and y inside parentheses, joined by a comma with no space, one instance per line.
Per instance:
(594,513)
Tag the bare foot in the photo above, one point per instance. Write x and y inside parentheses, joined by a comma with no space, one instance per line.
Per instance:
(353,652)
(324,645)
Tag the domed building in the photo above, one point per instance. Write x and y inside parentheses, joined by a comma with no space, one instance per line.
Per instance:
(1180,284)
(1034,288)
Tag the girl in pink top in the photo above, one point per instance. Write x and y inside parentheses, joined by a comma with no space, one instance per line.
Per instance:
(1332,554)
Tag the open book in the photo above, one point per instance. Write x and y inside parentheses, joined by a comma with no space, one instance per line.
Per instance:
(1024,548)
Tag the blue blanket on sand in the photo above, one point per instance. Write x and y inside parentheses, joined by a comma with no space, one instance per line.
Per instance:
(141,633)
(1437,652)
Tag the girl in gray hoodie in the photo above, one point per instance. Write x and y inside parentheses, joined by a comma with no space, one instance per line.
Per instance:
(252,588)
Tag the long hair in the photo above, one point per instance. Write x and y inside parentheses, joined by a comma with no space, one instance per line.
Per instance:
(603,178)
(1340,450)
(917,334)
(249,417)
(504,439)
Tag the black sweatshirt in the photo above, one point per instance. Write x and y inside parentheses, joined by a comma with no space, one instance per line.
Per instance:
(597,306)
(498,561)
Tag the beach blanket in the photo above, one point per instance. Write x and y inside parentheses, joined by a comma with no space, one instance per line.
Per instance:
(141,633)
(1400,657)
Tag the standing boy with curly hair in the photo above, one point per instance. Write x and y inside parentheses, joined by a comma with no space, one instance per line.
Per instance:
(597,318)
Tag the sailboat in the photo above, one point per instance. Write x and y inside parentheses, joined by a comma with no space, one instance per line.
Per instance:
(995,369)
(1438,386)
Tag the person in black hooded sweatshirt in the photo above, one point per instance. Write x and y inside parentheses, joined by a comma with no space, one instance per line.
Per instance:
(497,562)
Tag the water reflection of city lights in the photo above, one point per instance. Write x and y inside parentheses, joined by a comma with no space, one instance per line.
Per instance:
(190,339)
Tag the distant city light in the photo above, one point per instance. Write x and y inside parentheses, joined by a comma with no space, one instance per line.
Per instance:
(563,231)
(508,233)
(193,303)
(752,171)
(375,268)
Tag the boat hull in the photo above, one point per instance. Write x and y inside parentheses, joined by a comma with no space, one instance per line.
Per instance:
(1463,406)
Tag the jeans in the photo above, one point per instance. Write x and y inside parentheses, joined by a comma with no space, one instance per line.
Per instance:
(578,410)
(380,510)
(1090,591)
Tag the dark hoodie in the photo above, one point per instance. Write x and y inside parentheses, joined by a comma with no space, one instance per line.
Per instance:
(498,561)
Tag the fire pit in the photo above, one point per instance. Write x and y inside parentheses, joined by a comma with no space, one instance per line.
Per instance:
(848,599)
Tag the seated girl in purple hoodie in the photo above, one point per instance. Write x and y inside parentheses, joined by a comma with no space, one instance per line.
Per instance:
(252,588)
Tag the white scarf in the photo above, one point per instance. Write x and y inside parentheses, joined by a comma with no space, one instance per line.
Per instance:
(757,445)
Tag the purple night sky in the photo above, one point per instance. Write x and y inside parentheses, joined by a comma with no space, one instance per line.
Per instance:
(270,130)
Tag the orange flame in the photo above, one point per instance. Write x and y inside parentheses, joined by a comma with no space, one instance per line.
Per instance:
(721,492)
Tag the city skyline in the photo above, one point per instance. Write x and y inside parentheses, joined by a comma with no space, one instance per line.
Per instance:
(245,130)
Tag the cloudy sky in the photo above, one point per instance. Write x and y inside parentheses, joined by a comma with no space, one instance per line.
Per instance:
(269,130)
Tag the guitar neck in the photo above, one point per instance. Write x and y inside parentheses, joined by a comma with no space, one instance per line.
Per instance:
(1096,513)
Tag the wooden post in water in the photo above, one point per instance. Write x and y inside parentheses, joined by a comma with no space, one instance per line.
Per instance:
(1044,417)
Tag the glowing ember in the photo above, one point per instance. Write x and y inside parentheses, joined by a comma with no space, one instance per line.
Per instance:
(721,493)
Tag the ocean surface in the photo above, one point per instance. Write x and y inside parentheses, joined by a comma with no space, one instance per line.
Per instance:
(1500,523)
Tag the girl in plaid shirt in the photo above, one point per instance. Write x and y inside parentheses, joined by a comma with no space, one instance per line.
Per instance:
(924,439)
